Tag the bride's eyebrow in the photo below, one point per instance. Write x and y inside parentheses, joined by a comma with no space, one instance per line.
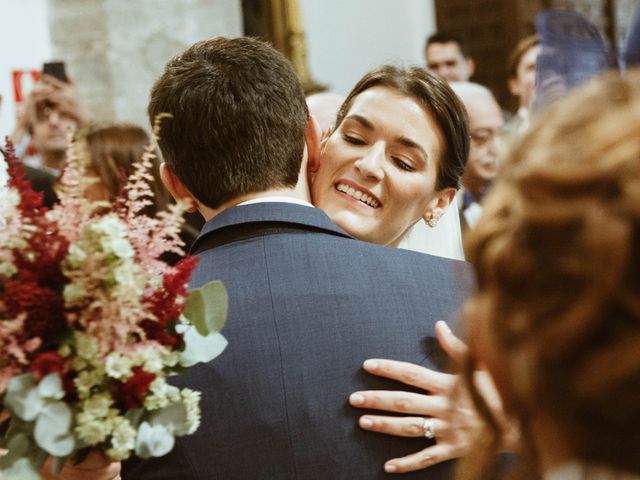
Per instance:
(361,120)
(407,142)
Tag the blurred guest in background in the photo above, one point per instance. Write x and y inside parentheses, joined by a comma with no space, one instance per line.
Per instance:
(324,106)
(522,80)
(486,124)
(49,114)
(446,55)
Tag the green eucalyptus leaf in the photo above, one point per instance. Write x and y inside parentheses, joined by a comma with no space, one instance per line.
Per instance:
(207,307)
(19,445)
(51,387)
(153,441)
(201,349)
(173,418)
(21,469)
(134,416)
(53,429)
(23,398)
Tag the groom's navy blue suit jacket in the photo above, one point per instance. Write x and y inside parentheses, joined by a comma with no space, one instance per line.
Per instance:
(307,305)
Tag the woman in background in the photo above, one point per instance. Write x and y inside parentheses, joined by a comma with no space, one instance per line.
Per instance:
(556,319)
(113,150)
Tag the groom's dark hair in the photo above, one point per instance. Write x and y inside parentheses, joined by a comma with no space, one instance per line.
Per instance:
(238,119)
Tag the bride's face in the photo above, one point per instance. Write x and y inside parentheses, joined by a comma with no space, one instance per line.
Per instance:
(378,170)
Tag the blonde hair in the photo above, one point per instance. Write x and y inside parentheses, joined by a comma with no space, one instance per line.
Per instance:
(557,254)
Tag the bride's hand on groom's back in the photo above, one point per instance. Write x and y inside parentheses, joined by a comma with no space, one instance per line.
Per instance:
(445,414)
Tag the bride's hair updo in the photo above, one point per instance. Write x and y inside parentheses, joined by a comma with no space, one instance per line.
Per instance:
(557,255)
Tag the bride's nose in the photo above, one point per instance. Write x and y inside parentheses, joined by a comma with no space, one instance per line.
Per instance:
(371,164)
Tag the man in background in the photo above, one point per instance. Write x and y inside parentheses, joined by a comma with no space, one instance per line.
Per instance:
(50,112)
(447,55)
(486,126)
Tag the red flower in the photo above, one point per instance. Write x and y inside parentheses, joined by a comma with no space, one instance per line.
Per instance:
(30,201)
(131,393)
(156,331)
(46,363)
(167,303)
(43,306)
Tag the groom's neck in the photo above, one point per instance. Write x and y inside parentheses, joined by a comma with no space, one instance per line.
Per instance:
(298,193)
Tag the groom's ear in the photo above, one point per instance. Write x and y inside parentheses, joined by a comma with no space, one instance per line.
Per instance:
(175,186)
(314,135)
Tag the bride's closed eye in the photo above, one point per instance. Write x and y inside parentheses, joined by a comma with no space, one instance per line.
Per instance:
(403,165)
(352,139)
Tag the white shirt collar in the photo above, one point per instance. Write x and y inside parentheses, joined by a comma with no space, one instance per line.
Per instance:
(279,199)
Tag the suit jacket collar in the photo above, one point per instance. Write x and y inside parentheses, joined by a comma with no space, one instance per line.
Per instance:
(270,212)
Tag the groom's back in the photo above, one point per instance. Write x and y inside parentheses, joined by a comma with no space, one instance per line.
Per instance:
(306,309)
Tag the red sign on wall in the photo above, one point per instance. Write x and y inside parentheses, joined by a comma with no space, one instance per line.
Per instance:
(23,81)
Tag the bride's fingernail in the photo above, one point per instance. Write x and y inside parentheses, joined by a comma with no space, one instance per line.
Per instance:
(445,325)
(366,422)
(390,468)
(370,365)
(356,399)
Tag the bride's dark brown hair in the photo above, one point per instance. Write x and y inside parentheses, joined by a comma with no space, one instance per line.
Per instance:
(557,255)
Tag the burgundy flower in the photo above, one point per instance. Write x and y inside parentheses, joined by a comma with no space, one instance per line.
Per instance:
(44,308)
(46,363)
(156,331)
(131,393)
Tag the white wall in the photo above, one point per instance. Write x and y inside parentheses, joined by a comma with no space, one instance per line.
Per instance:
(25,44)
(346,38)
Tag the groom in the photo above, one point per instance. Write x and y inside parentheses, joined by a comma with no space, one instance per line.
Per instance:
(307,303)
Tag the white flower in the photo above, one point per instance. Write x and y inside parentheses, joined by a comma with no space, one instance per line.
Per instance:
(118,365)
(91,430)
(113,236)
(9,200)
(125,275)
(86,380)
(64,350)
(73,292)
(123,439)
(86,346)
(161,394)
(120,246)
(150,357)
(191,399)
(7,269)
(76,255)
(97,405)
(109,225)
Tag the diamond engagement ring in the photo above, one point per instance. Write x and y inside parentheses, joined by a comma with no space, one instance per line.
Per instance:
(428,429)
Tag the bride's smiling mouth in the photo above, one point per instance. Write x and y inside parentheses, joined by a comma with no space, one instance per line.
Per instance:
(358,193)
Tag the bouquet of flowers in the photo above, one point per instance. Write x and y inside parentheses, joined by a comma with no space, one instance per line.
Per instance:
(92,323)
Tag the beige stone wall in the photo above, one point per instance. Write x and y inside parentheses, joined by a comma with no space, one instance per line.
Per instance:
(115,49)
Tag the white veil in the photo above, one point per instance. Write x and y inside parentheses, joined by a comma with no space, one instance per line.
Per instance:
(443,240)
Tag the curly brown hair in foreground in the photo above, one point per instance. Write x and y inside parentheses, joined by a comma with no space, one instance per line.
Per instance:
(557,255)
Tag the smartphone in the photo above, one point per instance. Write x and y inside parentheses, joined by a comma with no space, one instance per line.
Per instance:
(56,70)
